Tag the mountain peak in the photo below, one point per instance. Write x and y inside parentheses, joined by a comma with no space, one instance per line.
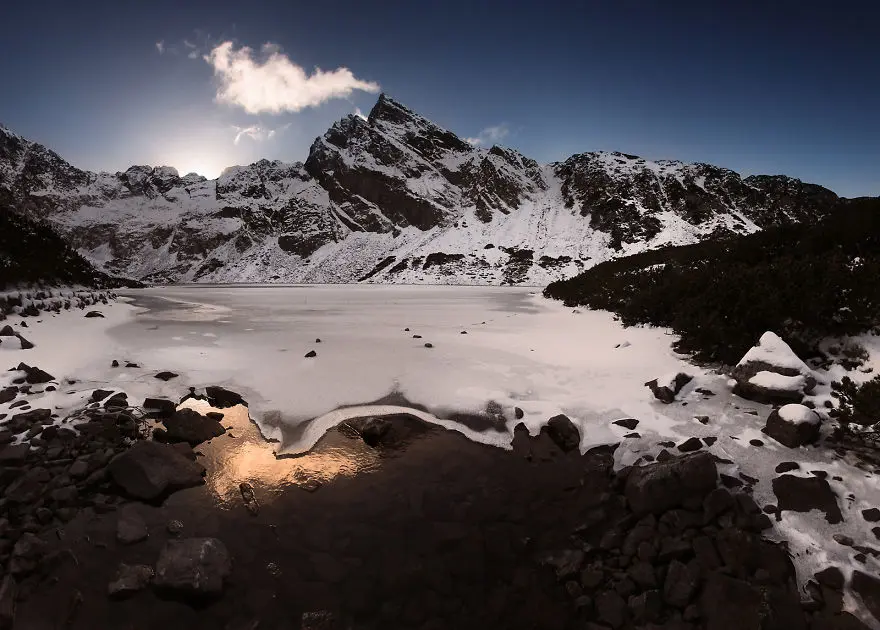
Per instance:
(388,110)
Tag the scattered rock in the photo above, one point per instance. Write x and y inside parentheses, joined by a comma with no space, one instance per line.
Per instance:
(130,526)
(193,566)
(130,364)
(872,515)
(785,467)
(188,425)
(311,354)
(518,413)
(627,423)
(130,578)
(14,454)
(27,553)
(114,363)
(681,584)
(166,376)
(660,486)
(802,494)
(249,497)
(223,398)
(563,432)
(793,425)
(429,345)
(148,470)
(667,387)
(94,314)
(756,443)
(611,608)
(161,407)
(690,445)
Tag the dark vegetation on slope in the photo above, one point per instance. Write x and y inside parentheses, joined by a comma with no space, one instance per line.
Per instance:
(803,281)
(32,253)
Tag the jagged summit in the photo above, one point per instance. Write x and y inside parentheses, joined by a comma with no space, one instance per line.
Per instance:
(393,198)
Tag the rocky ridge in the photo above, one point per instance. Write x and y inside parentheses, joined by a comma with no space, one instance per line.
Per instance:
(393,198)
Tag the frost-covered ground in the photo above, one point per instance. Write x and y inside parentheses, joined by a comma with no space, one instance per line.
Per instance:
(519,351)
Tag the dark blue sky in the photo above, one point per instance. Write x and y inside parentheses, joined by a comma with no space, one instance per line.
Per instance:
(760,87)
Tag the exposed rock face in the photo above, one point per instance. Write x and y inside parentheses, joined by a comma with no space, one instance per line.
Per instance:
(368,193)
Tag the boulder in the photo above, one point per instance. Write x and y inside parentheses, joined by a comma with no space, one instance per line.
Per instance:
(7,331)
(193,566)
(130,578)
(7,394)
(668,386)
(100,394)
(868,588)
(166,376)
(727,603)
(149,470)
(161,407)
(91,314)
(29,486)
(660,486)
(187,425)
(563,433)
(130,526)
(14,454)
(27,554)
(793,425)
(34,375)
(770,372)
(802,494)
(223,398)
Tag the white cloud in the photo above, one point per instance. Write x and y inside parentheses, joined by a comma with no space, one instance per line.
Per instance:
(257,133)
(359,113)
(274,83)
(160,46)
(490,135)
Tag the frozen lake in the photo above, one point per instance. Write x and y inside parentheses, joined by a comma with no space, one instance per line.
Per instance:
(519,350)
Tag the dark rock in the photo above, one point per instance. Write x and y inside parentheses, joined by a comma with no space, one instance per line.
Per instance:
(642,573)
(174,527)
(322,620)
(130,578)
(702,419)
(785,467)
(868,588)
(832,577)
(130,526)
(563,432)
(94,314)
(706,554)
(8,594)
(161,407)
(756,443)
(680,585)
(223,398)
(646,607)
(188,425)
(129,364)
(660,486)
(193,566)
(518,413)
(14,454)
(730,604)
(166,376)
(666,394)
(311,354)
(429,345)
(34,375)
(99,395)
(374,430)
(611,608)
(592,576)
(802,494)
(717,502)
(114,363)
(148,470)
(27,553)
(7,394)
(690,445)
(27,487)
(792,434)
(116,400)
(872,515)
(627,423)
(565,563)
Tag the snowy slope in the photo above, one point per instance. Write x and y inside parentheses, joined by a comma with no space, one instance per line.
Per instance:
(393,198)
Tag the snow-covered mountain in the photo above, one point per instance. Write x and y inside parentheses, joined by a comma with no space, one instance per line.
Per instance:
(393,198)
